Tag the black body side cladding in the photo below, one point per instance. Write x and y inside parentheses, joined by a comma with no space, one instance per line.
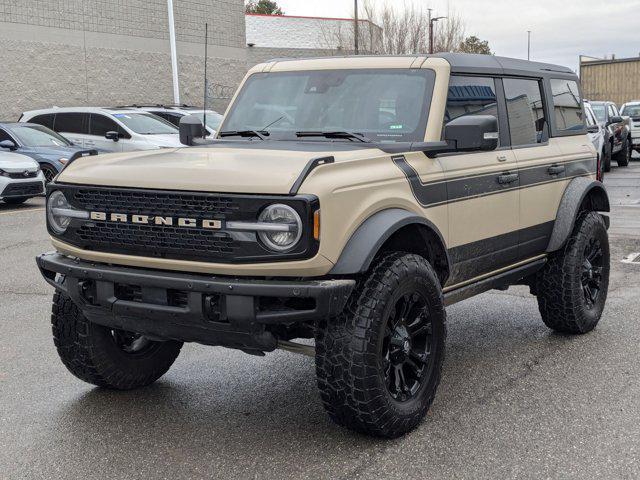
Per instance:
(365,243)
(574,196)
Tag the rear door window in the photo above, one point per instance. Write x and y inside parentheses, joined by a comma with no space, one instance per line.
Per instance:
(567,105)
(45,120)
(68,122)
(525,110)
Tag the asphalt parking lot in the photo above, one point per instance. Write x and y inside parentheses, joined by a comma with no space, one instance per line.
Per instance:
(515,400)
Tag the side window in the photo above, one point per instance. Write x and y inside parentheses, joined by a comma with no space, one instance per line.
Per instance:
(45,120)
(100,125)
(470,96)
(525,110)
(5,136)
(71,122)
(611,111)
(567,105)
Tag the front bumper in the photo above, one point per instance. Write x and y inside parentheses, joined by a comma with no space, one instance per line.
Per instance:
(232,312)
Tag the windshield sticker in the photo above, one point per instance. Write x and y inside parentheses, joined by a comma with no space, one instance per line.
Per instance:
(396,127)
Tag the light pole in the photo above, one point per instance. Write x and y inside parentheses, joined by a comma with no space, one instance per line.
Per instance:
(174,54)
(528,44)
(431,22)
(355,26)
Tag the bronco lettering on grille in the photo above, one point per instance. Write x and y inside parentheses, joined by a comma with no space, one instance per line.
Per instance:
(151,220)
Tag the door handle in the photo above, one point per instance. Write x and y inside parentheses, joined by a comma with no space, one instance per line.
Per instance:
(506,178)
(555,169)
(502,158)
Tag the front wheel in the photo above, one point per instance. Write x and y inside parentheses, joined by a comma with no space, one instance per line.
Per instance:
(106,357)
(606,156)
(379,363)
(572,288)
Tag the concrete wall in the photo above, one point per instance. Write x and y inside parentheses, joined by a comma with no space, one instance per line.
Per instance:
(613,80)
(109,52)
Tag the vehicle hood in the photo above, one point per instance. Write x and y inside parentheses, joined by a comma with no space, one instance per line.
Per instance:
(164,140)
(223,167)
(13,162)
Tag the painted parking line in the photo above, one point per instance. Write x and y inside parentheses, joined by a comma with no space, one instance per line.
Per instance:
(13,212)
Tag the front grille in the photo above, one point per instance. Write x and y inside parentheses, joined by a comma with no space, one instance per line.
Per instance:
(22,189)
(173,241)
(19,175)
(155,240)
(158,203)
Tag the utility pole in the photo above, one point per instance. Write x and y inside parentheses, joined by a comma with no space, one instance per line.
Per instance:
(528,44)
(355,27)
(429,32)
(174,54)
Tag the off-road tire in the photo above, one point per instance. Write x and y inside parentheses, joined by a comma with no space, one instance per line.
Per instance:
(606,157)
(623,156)
(15,201)
(348,350)
(561,298)
(89,351)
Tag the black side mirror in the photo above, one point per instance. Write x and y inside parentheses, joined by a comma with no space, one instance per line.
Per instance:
(472,132)
(593,129)
(615,119)
(190,128)
(111,135)
(8,144)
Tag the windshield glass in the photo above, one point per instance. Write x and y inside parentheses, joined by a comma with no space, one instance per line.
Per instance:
(383,105)
(39,136)
(599,111)
(213,119)
(146,123)
(631,111)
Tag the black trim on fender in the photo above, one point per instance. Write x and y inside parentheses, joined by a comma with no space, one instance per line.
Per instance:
(309,167)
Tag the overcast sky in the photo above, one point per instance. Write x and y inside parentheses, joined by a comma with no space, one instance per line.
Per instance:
(561,29)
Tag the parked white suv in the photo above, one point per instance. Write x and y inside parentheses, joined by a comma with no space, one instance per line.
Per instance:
(173,114)
(20,178)
(108,129)
(632,110)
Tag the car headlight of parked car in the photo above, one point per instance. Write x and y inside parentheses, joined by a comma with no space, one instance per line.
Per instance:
(3,173)
(281,227)
(60,212)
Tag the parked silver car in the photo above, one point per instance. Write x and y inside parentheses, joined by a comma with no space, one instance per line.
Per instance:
(598,135)
(20,178)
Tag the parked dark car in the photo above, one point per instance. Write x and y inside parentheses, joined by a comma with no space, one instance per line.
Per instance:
(618,133)
(50,149)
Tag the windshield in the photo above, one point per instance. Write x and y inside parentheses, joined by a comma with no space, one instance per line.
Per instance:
(383,105)
(213,119)
(631,110)
(39,136)
(146,123)
(599,110)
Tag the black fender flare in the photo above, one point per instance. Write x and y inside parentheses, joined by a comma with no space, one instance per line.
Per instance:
(366,241)
(573,198)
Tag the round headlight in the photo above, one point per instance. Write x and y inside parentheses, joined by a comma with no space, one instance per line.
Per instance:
(58,223)
(287,227)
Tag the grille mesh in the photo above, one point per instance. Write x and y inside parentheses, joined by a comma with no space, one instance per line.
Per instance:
(18,189)
(158,203)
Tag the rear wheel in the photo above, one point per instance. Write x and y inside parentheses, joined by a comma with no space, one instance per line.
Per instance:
(379,363)
(107,357)
(572,288)
(606,156)
(623,156)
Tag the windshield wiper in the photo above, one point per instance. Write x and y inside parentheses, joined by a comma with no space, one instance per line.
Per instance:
(262,135)
(347,135)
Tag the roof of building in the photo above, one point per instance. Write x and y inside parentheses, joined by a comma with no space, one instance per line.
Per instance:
(605,61)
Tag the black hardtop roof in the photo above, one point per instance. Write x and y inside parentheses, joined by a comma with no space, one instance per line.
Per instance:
(480,64)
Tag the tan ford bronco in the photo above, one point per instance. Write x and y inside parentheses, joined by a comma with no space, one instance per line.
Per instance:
(344,200)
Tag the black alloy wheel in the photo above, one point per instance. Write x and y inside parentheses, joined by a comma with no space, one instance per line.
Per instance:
(592,267)
(49,173)
(407,346)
